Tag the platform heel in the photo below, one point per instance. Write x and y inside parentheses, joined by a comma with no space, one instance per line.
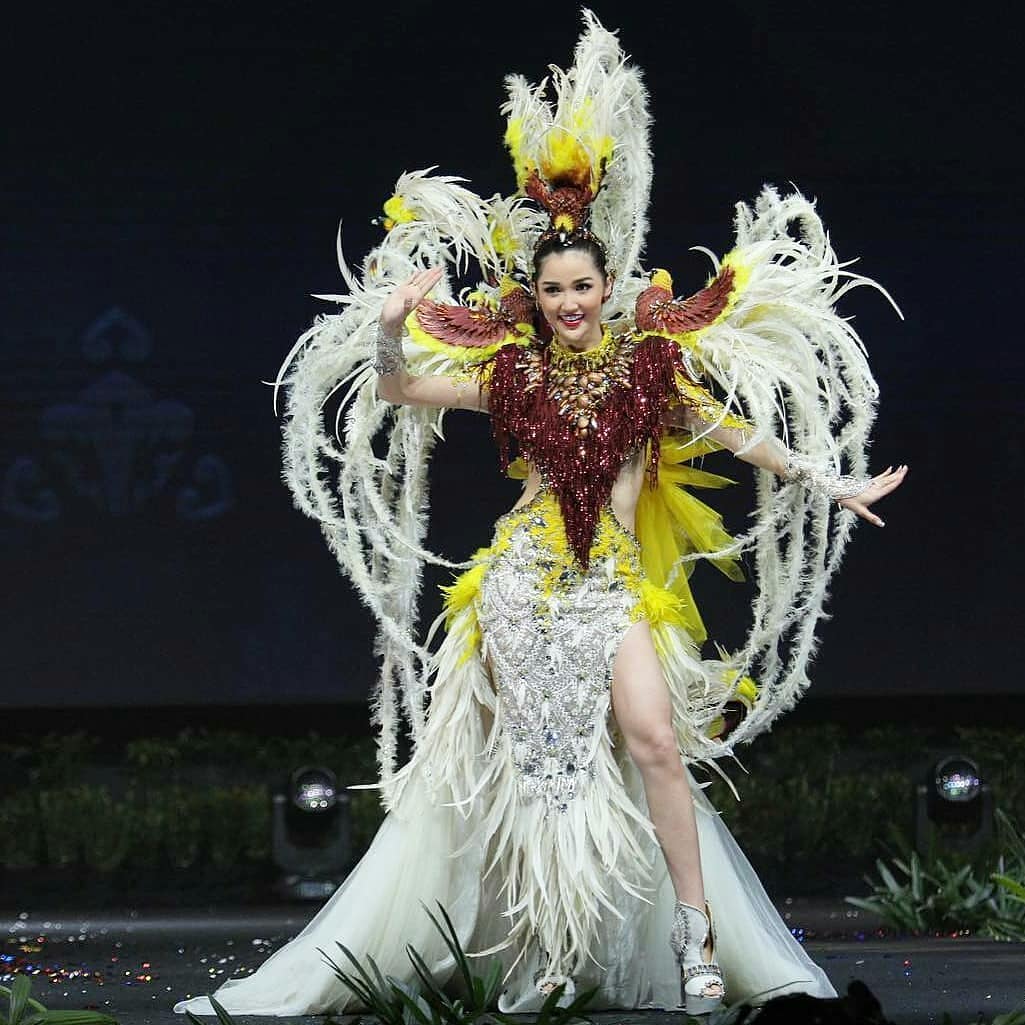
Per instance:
(701,982)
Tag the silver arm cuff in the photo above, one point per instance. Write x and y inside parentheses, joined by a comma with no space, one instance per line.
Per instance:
(835,486)
(388,355)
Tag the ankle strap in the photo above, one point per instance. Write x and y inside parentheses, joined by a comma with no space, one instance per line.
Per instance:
(696,971)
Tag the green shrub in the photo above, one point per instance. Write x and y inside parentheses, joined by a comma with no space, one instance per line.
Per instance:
(23,1010)
(935,894)
(20,840)
(816,799)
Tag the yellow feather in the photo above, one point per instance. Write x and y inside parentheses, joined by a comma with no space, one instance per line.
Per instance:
(672,523)
(514,141)
(662,279)
(503,241)
(463,591)
(518,469)
(396,212)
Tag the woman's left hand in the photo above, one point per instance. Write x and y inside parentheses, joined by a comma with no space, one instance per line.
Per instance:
(886,482)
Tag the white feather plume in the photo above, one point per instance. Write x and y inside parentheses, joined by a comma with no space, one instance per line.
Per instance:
(798,371)
(611,91)
(784,357)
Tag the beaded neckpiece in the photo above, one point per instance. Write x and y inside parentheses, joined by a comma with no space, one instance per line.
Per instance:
(577,416)
(578,383)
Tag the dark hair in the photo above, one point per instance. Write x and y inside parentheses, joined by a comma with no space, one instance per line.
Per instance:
(580,242)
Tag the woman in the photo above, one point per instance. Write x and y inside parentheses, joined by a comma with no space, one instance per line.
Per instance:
(547,805)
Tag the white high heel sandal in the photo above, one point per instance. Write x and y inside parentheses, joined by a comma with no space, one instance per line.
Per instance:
(692,930)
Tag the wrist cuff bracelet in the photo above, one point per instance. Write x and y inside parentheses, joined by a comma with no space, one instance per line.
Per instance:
(835,486)
(388,355)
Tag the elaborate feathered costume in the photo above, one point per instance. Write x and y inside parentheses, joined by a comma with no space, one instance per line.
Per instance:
(517,810)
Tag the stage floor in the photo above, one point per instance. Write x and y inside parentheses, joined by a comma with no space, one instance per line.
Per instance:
(133,964)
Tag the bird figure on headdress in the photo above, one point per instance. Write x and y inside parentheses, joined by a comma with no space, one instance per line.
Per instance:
(658,312)
(566,201)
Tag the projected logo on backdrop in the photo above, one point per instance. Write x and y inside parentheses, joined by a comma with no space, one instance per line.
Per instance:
(116,444)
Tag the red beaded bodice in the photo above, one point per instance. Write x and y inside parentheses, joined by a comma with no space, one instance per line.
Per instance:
(578,416)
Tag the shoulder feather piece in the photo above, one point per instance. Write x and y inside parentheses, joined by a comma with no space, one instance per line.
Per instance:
(657,312)
(474,333)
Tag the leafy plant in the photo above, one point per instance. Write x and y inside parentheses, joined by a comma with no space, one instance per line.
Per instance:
(386,998)
(23,1010)
(937,896)
(1015,889)
(393,1002)
(1009,876)
(222,1015)
(1015,1017)
(481,992)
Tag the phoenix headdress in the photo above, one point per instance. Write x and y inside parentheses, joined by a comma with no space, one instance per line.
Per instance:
(763,334)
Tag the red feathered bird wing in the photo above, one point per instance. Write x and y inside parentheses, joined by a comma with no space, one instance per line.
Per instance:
(658,312)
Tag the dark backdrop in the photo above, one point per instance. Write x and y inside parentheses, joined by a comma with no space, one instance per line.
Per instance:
(173,180)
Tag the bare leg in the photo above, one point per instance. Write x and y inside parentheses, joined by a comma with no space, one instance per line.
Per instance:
(640,700)
(643,710)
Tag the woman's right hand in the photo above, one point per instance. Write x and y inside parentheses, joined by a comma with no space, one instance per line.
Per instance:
(406,297)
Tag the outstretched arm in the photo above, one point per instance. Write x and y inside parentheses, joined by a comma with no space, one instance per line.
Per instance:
(770,454)
(394,383)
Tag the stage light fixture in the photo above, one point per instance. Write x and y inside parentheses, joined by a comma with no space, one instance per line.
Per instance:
(956,779)
(314,790)
(311,841)
(953,807)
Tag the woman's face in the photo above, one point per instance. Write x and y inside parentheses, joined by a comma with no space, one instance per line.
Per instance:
(570,291)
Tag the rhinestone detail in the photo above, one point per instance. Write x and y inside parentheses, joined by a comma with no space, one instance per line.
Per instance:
(551,630)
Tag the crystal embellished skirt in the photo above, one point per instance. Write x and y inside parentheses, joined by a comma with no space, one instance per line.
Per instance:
(550,632)
(521,817)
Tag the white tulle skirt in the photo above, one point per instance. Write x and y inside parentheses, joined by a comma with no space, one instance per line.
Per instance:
(409,866)
(524,819)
